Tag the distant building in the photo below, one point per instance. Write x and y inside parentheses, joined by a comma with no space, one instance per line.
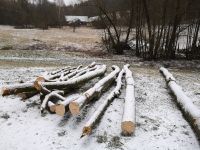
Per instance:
(81,19)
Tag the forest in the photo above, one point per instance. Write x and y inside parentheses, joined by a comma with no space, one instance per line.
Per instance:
(156,29)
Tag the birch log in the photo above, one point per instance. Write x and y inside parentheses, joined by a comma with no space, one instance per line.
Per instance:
(49,96)
(128,120)
(190,111)
(71,83)
(77,71)
(96,90)
(17,88)
(87,129)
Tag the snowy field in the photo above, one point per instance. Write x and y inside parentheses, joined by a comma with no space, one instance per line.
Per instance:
(160,124)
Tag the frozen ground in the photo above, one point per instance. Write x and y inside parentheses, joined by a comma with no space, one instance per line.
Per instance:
(160,124)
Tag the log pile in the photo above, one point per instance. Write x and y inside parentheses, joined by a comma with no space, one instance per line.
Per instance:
(53,87)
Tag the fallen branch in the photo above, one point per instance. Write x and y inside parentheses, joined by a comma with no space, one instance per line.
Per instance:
(49,96)
(71,83)
(128,120)
(190,111)
(76,105)
(87,129)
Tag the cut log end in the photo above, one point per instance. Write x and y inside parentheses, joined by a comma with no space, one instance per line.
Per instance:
(60,110)
(4,91)
(52,108)
(37,83)
(86,131)
(74,108)
(128,128)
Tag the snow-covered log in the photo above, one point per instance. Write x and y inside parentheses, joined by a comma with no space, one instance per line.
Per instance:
(59,70)
(96,90)
(78,71)
(128,120)
(73,82)
(56,94)
(190,111)
(17,88)
(101,109)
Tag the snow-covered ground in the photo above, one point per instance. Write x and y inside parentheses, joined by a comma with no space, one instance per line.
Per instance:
(160,124)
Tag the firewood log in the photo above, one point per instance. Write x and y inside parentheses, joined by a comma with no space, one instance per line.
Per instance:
(17,88)
(95,91)
(49,96)
(128,120)
(189,110)
(71,83)
(87,129)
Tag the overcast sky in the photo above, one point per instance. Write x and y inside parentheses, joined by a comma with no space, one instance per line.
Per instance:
(68,2)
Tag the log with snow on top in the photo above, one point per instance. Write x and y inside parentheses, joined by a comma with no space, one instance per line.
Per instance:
(77,71)
(87,129)
(53,94)
(129,117)
(17,88)
(27,87)
(95,91)
(73,82)
(190,111)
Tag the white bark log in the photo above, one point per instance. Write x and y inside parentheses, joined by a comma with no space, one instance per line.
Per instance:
(49,96)
(76,105)
(74,82)
(129,116)
(191,112)
(77,71)
(101,109)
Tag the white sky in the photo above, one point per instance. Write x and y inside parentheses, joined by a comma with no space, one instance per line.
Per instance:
(68,2)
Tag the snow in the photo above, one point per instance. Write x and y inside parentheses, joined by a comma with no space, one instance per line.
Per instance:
(159,121)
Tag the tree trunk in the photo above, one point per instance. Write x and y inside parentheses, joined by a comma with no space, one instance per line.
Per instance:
(190,111)
(128,120)
(101,109)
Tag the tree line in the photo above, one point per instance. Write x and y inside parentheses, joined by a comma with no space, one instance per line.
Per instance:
(38,14)
(158,29)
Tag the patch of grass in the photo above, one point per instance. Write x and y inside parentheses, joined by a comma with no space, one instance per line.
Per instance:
(115,143)
(7,47)
(102,138)
(5,116)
